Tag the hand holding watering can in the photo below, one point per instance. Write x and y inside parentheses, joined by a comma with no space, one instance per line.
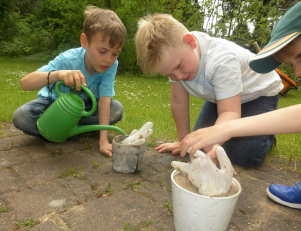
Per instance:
(60,120)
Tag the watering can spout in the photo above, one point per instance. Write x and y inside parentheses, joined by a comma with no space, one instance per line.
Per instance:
(90,128)
(180,166)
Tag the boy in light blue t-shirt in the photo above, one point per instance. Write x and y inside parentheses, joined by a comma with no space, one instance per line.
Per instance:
(94,65)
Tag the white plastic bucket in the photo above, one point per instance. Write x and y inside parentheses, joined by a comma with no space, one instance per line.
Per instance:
(201,213)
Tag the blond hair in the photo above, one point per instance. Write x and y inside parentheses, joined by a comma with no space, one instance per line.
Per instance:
(107,22)
(155,34)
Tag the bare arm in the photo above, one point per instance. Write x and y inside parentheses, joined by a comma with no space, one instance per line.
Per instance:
(104,119)
(180,109)
(281,121)
(228,109)
(37,80)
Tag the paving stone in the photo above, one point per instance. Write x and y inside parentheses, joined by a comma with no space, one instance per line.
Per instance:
(8,182)
(32,186)
(78,189)
(13,157)
(39,201)
(163,224)
(45,226)
(112,212)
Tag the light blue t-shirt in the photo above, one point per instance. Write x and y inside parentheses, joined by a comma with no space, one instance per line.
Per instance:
(74,59)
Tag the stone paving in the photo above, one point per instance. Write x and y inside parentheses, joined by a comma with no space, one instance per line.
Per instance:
(71,186)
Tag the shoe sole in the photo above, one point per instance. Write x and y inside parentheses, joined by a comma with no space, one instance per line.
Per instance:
(274,198)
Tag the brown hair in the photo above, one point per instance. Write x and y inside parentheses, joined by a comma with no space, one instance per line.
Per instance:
(155,34)
(107,22)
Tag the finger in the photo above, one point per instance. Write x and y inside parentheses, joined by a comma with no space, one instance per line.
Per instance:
(159,147)
(194,148)
(234,172)
(65,78)
(106,152)
(192,143)
(212,154)
(77,81)
(176,151)
(82,78)
(70,80)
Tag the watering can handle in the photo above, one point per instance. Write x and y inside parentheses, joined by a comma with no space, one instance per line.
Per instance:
(84,113)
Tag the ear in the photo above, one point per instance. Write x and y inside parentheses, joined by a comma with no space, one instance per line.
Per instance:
(190,40)
(83,41)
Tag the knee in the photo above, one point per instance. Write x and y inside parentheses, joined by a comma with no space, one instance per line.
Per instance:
(24,122)
(116,112)
(252,151)
(18,118)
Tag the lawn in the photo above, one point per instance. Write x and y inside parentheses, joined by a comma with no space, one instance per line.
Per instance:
(144,99)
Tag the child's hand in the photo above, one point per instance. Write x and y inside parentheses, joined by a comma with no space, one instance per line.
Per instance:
(174,148)
(203,138)
(105,148)
(71,77)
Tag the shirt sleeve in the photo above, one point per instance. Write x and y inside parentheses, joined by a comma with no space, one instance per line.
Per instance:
(226,77)
(56,64)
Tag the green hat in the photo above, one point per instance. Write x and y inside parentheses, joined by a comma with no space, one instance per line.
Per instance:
(286,29)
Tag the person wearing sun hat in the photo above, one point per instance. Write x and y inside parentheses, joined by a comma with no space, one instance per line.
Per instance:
(283,47)
(285,31)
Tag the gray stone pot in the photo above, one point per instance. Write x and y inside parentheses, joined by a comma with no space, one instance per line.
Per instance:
(127,158)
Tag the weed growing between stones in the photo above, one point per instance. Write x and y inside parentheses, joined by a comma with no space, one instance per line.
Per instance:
(86,143)
(95,165)
(29,223)
(133,185)
(72,171)
(4,209)
(9,147)
(126,226)
(167,205)
(109,190)
(160,181)
(54,151)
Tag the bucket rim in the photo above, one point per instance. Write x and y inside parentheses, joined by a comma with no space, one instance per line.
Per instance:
(118,138)
(234,181)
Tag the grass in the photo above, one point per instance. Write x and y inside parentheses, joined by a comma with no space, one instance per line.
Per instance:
(143,98)
(72,171)
(29,223)
(148,99)
(4,209)
(127,227)
(133,185)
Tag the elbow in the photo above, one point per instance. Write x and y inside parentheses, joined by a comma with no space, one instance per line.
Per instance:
(23,85)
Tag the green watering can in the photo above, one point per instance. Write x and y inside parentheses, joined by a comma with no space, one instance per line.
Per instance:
(60,120)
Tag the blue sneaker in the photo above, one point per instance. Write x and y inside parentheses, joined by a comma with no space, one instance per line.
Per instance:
(286,195)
